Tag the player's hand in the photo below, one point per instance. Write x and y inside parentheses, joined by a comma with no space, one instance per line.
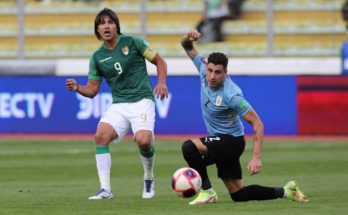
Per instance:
(161,91)
(71,84)
(193,35)
(254,166)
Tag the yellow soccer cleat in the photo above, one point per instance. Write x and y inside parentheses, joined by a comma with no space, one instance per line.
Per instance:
(293,192)
(205,197)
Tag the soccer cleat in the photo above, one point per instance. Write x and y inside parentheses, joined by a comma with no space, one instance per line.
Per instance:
(293,192)
(101,194)
(148,191)
(205,197)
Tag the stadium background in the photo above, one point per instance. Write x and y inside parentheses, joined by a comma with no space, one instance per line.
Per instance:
(286,56)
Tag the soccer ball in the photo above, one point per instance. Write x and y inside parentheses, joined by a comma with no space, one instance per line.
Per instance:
(186,182)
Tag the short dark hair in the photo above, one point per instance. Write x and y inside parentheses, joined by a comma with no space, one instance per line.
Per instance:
(113,16)
(218,58)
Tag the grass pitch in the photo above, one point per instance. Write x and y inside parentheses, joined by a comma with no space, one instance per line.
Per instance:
(57,177)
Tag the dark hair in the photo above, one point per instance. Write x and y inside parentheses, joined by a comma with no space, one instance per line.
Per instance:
(113,16)
(218,58)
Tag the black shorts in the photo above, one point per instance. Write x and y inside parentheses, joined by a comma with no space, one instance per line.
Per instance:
(225,151)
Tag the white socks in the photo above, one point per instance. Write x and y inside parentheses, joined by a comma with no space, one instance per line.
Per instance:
(148,164)
(104,167)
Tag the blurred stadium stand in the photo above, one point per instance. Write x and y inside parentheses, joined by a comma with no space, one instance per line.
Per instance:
(64,29)
(289,49)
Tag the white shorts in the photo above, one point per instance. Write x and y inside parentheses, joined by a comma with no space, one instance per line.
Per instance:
(137,116)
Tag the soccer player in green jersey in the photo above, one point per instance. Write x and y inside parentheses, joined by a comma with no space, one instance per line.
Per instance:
(223,106)
(120,60)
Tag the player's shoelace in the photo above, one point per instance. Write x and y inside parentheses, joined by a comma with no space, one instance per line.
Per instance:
(148,185)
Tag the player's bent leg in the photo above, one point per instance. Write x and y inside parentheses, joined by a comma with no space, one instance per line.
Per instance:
(293,192)
(147,153)
(194,159)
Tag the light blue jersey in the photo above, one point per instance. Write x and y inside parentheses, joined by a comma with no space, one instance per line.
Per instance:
(223,107)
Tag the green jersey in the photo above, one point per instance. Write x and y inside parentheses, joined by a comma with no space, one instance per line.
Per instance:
(124,68)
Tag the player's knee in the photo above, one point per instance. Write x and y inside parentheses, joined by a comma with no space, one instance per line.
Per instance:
(188,148)
(143,143)
(143,139)
(102,138)
(239,196)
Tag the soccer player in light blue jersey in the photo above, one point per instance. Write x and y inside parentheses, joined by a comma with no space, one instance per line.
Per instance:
(121,61)
(223,106)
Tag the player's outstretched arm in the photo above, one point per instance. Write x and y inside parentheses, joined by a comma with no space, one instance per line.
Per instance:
(187,43)
(90,90)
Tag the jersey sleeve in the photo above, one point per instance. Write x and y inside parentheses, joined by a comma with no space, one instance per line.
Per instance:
(93,73)
(240,105)
(200,63)
(144,48)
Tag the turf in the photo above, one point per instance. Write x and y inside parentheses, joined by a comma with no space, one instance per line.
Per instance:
(56,177)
